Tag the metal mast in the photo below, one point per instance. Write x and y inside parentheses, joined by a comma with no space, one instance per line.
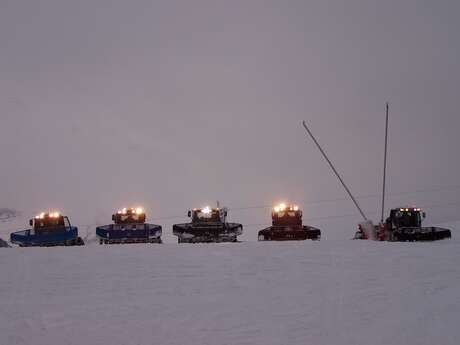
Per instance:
(385,164)
(334,170)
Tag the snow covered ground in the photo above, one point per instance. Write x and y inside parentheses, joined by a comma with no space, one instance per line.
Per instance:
(327,292)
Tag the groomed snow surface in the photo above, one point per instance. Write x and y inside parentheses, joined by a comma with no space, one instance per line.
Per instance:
(327,292)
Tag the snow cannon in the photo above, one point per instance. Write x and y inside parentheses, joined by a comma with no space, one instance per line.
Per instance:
(404,225)
(48,229)
(129,226)
(207,225)
(287,226)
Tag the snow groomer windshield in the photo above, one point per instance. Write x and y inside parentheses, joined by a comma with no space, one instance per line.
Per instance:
(206,214)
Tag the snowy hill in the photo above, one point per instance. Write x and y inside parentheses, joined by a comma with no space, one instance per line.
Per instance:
(7,214)
(327,292)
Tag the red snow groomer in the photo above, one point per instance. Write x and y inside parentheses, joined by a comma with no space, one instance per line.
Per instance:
(287,226)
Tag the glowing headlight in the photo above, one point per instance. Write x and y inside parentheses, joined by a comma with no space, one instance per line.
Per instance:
(139,210)
(206,210)
(276,209)
(53,214)
(296,208)
(282,207)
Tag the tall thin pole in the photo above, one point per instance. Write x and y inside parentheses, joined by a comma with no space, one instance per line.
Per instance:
(385,164)
(334,170)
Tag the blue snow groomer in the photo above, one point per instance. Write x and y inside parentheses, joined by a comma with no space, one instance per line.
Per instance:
(48,229)
(129,227)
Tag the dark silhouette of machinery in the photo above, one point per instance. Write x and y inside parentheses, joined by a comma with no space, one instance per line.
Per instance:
(287,226)
(207,225)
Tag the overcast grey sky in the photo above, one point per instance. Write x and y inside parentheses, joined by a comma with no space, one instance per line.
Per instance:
(174,104)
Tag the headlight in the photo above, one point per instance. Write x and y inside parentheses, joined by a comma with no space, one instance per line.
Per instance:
(54,214)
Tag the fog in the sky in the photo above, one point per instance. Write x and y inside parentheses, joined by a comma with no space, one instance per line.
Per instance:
(175,104)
